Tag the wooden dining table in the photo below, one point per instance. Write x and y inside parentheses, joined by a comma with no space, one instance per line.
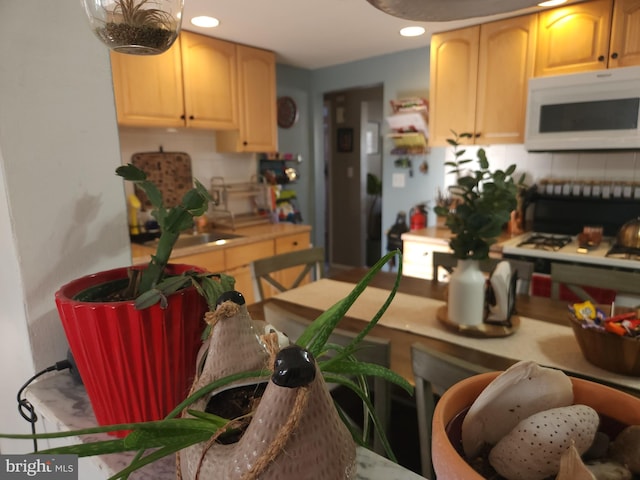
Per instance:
(542,309)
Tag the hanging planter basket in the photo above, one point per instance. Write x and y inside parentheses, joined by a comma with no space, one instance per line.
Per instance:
(137,27)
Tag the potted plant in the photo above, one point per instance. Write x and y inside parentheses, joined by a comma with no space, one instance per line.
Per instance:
(616,409)
(139,27)
(293,415)
(484,200)
(134,332)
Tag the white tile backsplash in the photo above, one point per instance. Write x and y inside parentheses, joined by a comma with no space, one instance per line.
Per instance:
(199,144)
(570,165)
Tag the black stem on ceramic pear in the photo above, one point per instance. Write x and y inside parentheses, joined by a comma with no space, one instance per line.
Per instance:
(231,295)
(294,367)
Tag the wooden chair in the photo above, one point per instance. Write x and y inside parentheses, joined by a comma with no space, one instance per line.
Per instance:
(371,350)
(264,269)
(523,269)
(577,276)
(434,372)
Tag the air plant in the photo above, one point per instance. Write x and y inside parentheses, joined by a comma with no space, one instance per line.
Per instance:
(133,28)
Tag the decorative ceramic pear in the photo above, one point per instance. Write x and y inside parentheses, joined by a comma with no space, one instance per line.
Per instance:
(294,432)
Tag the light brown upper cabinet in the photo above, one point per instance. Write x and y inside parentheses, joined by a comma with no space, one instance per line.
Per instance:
(625,34)
(479,80)
(148,89)
(257,104)
(588,36)
(193,84)
(210,82)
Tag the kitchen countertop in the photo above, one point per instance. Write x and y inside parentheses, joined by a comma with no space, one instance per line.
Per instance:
(250,234)
(443,235)
(65,405)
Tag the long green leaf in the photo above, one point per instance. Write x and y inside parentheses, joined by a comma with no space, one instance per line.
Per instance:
(318,332)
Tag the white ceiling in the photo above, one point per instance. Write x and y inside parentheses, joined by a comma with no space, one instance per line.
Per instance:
(315,33)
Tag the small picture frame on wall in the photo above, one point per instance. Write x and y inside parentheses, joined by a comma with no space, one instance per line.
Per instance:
(345,140)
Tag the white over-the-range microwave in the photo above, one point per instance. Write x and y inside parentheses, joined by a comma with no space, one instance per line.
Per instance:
(597,110)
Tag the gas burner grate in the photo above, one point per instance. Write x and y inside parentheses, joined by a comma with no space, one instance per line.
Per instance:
(620,251)
(546,242)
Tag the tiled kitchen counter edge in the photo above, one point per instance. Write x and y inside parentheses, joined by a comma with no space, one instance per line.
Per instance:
(64,405)
(256,233)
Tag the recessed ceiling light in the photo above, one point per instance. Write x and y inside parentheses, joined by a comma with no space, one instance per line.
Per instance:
(412,31)
(205,22)
(552,3)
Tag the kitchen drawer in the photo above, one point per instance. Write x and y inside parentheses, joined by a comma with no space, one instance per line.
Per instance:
(244,282)
(245,254)
(290,243)
(417,259)
(212,261)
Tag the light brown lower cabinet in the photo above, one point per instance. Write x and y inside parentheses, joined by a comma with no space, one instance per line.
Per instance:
(236,261)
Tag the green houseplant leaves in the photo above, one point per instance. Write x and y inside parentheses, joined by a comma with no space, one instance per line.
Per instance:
(172,434)
(483,202)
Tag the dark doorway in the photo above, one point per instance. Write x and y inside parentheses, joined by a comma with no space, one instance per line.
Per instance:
(353,154)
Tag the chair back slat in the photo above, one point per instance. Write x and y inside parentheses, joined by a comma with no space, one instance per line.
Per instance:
(577,276)
(266,269)
(434,372)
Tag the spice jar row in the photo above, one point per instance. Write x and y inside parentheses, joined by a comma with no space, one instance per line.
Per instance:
(590,188)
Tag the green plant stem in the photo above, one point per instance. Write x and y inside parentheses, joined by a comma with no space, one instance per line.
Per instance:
(155,270)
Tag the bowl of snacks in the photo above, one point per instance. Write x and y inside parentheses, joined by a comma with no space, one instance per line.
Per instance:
(609,341)
(535,423)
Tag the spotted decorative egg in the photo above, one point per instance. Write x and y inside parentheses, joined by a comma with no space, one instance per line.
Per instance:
(532,450)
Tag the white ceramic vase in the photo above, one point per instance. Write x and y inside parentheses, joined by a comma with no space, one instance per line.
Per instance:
(466,294)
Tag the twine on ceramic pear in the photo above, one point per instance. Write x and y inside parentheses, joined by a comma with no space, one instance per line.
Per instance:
(236,423)
(272,346)
(283,435)
(225,310)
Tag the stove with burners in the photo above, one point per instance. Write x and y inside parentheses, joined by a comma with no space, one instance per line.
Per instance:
(545,241)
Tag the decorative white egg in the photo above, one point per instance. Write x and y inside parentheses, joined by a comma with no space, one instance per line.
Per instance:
(520,391)
(532,450)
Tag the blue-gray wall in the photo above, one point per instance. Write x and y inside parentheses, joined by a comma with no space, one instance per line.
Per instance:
(296,83)
(402,74)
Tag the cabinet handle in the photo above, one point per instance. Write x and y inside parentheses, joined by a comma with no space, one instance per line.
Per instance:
(601,58)
(477,135)
(245,143)
(614,55)
(182,117)
(295,244)
(191,117)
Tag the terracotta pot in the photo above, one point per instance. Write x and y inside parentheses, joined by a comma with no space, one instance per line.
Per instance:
(136,365)
(449,464)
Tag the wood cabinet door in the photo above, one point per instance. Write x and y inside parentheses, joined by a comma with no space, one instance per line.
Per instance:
(452,89)
(238,264)
(257,81)
(625,34)
(212,260)
(292,243)
(505,64)
(210,82)
(148,89)
(257,104)
(574,38)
